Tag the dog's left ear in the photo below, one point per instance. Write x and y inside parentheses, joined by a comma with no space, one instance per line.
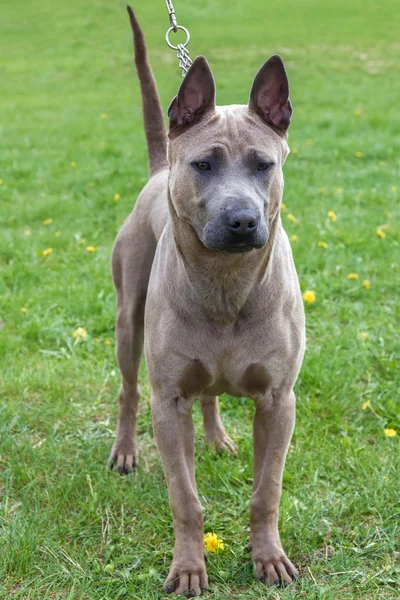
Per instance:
(269,95)
(196,95)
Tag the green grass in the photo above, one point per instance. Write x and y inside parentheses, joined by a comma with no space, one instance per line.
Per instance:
(71,529)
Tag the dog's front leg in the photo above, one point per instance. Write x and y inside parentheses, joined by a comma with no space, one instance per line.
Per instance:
(273,428)
(173,426)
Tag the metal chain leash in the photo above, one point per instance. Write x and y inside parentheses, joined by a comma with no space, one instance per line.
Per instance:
(182,52)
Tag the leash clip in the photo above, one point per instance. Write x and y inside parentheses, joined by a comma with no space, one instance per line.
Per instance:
(182,52)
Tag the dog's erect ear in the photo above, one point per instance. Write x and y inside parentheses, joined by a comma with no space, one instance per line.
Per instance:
(196,95)
(269,95)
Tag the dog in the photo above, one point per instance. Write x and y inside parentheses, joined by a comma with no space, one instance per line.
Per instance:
(204,268)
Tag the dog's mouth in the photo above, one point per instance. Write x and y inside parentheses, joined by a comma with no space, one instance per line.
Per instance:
(239,248)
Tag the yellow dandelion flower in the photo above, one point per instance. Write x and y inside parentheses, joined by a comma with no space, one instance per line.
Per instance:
(47,251)
(322,244)
(284,207)
(212,542)
(309,297)
(381,234)
(1,182)
(295,150)
(108,342)
(332,215)
(358,112)
(339,190)
(103,116)
(363,335)
(292,218)
(27,231)
(394,188)
(294,238)
(366,284)
(91,248)
(323,190)
(57,233)
(390,432)
(309,142)
(24,310)
(358,154)
(352,276)
(117,197)
(366,405)
(47,221)
(73,164)
(80,333)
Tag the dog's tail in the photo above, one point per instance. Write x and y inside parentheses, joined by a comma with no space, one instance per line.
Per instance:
(153,118)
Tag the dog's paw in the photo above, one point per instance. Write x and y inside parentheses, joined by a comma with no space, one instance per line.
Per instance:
(123,456)
(189,580)
(221,441)
(274,569)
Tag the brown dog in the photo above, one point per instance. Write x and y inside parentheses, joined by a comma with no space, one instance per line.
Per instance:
(204,266)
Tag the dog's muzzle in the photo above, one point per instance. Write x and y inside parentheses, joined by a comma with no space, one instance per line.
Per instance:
(236,230)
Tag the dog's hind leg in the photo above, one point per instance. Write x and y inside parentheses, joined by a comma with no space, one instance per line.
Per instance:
(214,431)
(131,265)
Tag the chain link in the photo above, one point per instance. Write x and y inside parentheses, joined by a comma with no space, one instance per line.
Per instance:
(182,51)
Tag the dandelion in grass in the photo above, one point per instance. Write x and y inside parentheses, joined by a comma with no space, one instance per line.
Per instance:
(212,542)
(24,310)
(292,218)
(358,154)
(108,342)
(322,244)
(73,164)
(79,334)
(294,150)
(357,112)
(57,233)
(1,182)
(352,276)
(117,197)
(92,248)
(47,252)
(394,188)
(47,221)
(91,184)
(363,335)
(294,238)
(390,432)
(309,297)
(27,231)
(332,215)
(381,234)
(366,284)
(366,405)
(284,207)
(103,116)
(339,190)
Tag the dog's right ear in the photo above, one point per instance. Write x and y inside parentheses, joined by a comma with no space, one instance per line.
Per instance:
(196,96)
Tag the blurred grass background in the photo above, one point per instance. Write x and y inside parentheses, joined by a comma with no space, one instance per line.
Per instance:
(73,152)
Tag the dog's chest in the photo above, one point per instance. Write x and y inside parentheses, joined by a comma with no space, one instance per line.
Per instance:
(227,375)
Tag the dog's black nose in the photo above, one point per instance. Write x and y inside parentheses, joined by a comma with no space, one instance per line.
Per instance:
(242,221)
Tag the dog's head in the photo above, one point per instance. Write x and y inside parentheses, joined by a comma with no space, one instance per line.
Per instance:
(226,162)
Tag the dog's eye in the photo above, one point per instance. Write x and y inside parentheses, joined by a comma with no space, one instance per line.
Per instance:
(263,166)
(203,166)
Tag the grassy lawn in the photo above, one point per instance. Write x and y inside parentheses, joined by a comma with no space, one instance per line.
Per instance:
(72,161)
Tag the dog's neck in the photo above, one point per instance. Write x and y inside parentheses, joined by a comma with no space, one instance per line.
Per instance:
(221,282)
